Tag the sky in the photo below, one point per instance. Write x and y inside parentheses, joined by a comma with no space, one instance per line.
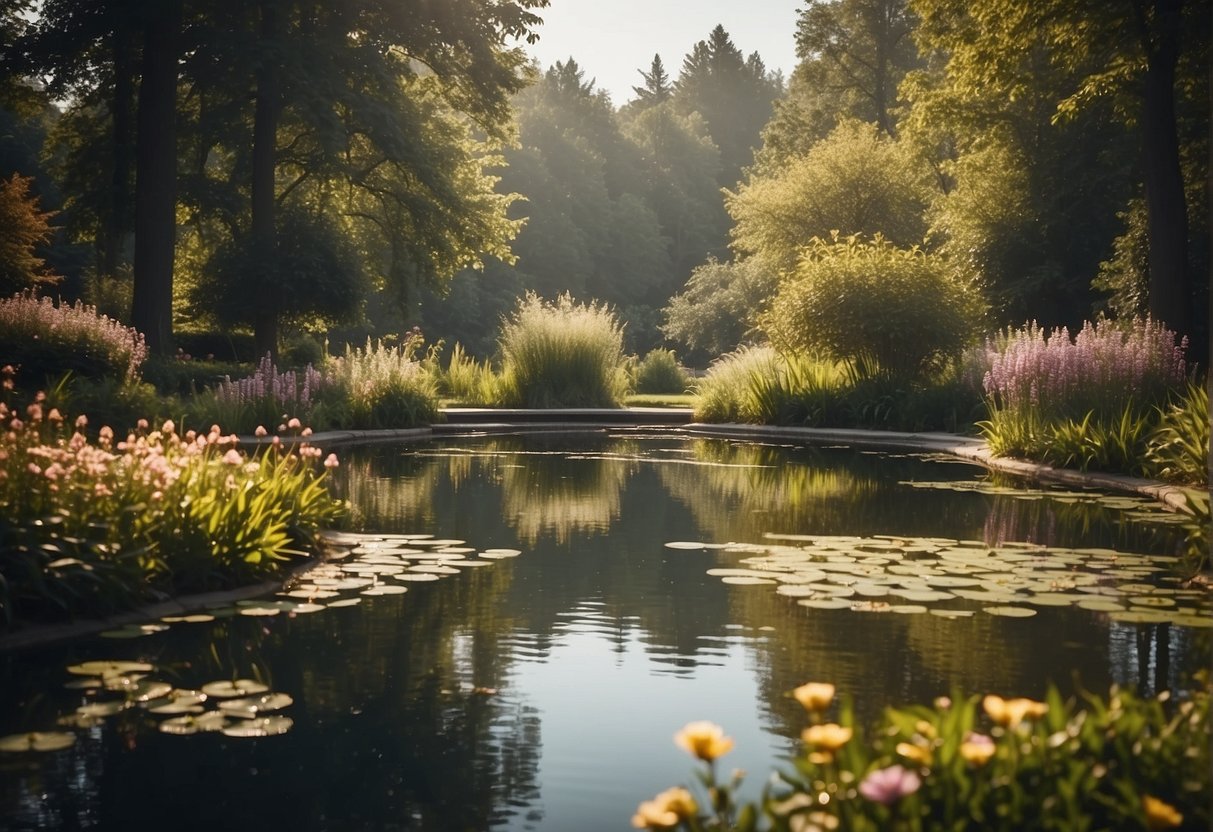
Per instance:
(613,39)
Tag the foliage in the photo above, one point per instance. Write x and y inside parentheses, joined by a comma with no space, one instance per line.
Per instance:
(90,526)
(1123,761)
(47,340)
(561,354)
(716,311)
(1178,448)
(855,181)
(659,372)
(872,304)
(263,399)
(382,386)
(26,228)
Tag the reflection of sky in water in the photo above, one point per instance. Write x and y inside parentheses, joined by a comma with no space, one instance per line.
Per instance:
(542,692)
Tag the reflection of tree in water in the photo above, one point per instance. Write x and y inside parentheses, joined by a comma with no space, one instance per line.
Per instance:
(740,492)
(546,496)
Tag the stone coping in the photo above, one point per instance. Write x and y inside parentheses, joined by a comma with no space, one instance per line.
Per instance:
(581,420)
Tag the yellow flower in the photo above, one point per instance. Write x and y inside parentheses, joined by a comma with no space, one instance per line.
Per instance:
(1160,815)
(1010,712)
(977,749)
(829,737)
(815,696)
(705,740)
(914,753)
(665,810)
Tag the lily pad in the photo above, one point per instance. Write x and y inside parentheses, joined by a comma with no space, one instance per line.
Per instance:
(231,688)
(684,544)
(249,706)
(1010,612)
(37,741)
(267,726)
(387,589)
(345,602)
(177,702)
(498,554)
(195,724)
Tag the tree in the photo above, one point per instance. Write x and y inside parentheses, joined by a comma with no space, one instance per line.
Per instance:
(1119,61)
(26,228)
(718,309)
(657,88)
(855,181)
(732,93)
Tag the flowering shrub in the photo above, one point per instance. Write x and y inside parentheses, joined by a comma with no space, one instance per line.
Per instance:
(90,526)
(1090,401)
(382,386)
(1124,762)
(47,340)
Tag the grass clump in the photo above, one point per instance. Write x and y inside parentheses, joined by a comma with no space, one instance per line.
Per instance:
(89,526)
(467,380)
(561,354)
(381,387)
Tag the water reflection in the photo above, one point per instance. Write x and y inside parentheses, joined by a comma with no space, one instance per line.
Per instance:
(541,692)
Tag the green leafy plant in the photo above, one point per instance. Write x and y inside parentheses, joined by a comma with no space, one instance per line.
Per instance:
(1178,449)
(467,380)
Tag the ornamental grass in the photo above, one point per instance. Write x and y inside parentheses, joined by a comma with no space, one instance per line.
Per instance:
(93,524)
(1123,761)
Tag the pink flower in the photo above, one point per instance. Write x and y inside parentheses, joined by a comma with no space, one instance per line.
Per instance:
(294,423)
(330,461)
(889,785)
(141,424)
(307,432)
(168,426)
(260,431)
(233,457)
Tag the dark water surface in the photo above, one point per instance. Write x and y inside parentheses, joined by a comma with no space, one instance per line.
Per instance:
(541,691)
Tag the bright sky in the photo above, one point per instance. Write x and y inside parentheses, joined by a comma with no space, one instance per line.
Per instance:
(613,39)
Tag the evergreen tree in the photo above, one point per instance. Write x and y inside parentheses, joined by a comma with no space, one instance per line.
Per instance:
(657,87)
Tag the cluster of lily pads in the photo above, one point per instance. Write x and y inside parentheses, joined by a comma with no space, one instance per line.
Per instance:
(957,578)
(357,565)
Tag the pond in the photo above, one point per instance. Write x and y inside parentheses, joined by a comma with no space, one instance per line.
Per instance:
(524,621)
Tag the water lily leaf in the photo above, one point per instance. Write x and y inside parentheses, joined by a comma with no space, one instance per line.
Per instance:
(107,668)
(268,726)
(826,603)
(102,709)
(387,589)
(263,611)
(462,563)
(308,593)
(435,569)
(746,580)
(37,741)
(146,689)
(230,688)
(345,602)
(684,544)
(1096,604)
(304,609)
(908,609)
(497,554)
(1141,616)
(179,701)
(1152,601)
(416,576)
(953,614)
(197,618)
(248,706)
(1010,612)
(1199,621)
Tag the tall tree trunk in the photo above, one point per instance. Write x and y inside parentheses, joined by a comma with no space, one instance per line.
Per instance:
(1170,286)
(156,177)
(116,220)
(264,226)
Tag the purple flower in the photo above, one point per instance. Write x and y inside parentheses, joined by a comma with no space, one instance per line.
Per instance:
(889,785)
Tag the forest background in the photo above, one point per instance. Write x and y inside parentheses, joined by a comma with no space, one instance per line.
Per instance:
(291,171)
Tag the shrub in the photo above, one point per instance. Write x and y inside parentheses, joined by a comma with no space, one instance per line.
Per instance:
(1118,762)
(873,305)
(47,340)
(382,386)
(716,310)
(660,372)
(756,384)
(90,527)
(561,354)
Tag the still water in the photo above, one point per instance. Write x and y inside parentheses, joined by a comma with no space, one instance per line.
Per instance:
(541,692)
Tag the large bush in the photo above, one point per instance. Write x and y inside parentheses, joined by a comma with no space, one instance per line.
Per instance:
(44,341)
(875,306)
(561,354)
(715,312)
